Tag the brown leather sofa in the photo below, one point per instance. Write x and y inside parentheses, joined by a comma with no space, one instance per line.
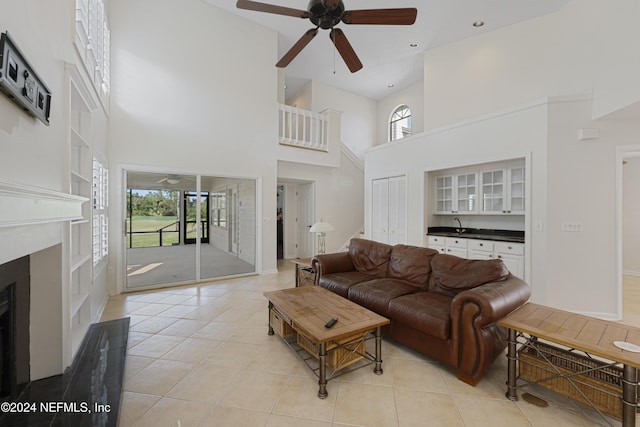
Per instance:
(439,305)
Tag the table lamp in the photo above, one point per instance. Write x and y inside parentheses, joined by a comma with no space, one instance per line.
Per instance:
(321,228)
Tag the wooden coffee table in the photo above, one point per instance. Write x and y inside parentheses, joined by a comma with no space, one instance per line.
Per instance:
(304,311)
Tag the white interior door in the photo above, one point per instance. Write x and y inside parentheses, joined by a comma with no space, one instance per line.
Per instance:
(380,210)
(305,219)
(397,211)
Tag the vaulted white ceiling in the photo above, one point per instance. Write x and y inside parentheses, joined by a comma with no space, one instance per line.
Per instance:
(385,51)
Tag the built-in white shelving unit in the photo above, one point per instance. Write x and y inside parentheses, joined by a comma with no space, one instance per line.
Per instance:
(81,107)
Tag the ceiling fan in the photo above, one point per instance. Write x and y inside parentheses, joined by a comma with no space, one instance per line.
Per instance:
(326,14)
(173,180)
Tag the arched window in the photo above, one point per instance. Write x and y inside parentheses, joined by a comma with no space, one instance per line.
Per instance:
(400,123)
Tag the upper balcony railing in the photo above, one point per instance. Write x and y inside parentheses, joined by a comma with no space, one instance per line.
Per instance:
(302,128)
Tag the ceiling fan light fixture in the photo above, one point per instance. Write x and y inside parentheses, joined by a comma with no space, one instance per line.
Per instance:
(391,85)
(173,181)
(478,24)
(414,45)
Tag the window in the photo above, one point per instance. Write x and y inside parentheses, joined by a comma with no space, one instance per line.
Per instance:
(400,123)
(93,41)
(100,217)
(219,208)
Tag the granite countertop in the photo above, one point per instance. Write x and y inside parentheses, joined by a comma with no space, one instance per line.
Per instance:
(479,233)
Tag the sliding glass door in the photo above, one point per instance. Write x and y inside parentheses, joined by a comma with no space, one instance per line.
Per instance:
(186,228)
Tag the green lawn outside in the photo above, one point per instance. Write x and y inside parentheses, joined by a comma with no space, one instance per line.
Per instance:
(152,223)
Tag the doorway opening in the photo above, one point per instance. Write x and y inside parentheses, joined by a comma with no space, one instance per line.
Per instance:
(296,215)
(629,233)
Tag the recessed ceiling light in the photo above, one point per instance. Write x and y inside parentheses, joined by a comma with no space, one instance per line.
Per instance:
(478,24)
(390,85)
(414,45)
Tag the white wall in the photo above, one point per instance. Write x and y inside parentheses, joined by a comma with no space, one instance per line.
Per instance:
(339,198)
(194,91)
(631,216)
(413,97)
(554,55)
(37,155)
(358,120)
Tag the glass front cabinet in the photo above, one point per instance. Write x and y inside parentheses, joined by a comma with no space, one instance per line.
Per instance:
(457,193)
(486,191)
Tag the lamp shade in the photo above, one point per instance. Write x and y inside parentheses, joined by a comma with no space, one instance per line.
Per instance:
(321,227)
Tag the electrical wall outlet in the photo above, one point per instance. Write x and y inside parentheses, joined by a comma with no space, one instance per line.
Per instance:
(538,225)
(571,226)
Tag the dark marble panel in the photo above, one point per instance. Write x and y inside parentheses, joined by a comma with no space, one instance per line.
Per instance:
(87,394)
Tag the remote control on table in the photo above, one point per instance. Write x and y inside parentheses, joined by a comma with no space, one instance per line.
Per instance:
(331,322)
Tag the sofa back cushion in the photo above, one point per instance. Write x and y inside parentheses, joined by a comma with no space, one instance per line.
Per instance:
(451,275)
(370,257)
(411,264)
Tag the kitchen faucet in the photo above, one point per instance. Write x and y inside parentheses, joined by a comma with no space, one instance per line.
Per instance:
(459,230)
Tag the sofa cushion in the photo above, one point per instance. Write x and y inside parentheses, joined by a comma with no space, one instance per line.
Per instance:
(412,264)
(428,312)
(451,275)
(370,257)
(376,294)
(340,283)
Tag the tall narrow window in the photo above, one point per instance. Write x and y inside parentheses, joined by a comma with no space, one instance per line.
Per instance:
(100,217)
(400,123)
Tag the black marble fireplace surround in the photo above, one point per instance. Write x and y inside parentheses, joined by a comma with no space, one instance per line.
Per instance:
(87,394)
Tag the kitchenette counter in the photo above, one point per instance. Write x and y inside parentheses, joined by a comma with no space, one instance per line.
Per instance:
(478,234)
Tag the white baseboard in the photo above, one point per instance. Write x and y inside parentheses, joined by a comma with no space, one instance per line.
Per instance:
(631,273)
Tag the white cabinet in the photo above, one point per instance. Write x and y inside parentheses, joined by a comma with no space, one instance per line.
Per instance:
(448,245)
(512,254)
(457,193)
(480,249)
(503,191)
(389,210)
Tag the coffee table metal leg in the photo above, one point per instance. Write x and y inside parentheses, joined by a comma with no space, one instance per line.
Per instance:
(629,395)
(378,367)
(511,365)
(269,318)
(322,380)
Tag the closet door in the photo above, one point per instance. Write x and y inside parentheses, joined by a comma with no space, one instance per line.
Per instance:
(397,208)
(380,210)
(389,210)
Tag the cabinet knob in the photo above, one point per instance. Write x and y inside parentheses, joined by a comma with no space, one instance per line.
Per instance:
(456,241)
(510,247)
(481,244)
(499,256)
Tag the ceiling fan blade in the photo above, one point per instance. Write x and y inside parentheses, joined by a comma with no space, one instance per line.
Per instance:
(270,8)
(404,16)
(297,48)
(346,51)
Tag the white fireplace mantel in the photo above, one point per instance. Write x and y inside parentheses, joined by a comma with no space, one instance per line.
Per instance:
(22,204)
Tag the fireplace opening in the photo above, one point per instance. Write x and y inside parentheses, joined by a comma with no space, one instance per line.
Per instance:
(15,303)
(7,343)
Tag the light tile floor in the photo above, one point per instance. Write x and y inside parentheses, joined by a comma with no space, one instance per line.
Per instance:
(201,356)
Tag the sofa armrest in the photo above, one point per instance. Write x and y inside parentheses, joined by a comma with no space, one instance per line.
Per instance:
(494,300)
(476,337)
(331,263)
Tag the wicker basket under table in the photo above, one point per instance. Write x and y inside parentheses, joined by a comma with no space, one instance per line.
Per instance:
(601,384)
(339,354)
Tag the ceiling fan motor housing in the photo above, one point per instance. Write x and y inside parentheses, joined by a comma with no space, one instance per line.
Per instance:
(325,13)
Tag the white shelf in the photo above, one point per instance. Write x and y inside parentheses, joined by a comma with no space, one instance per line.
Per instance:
(79,260)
